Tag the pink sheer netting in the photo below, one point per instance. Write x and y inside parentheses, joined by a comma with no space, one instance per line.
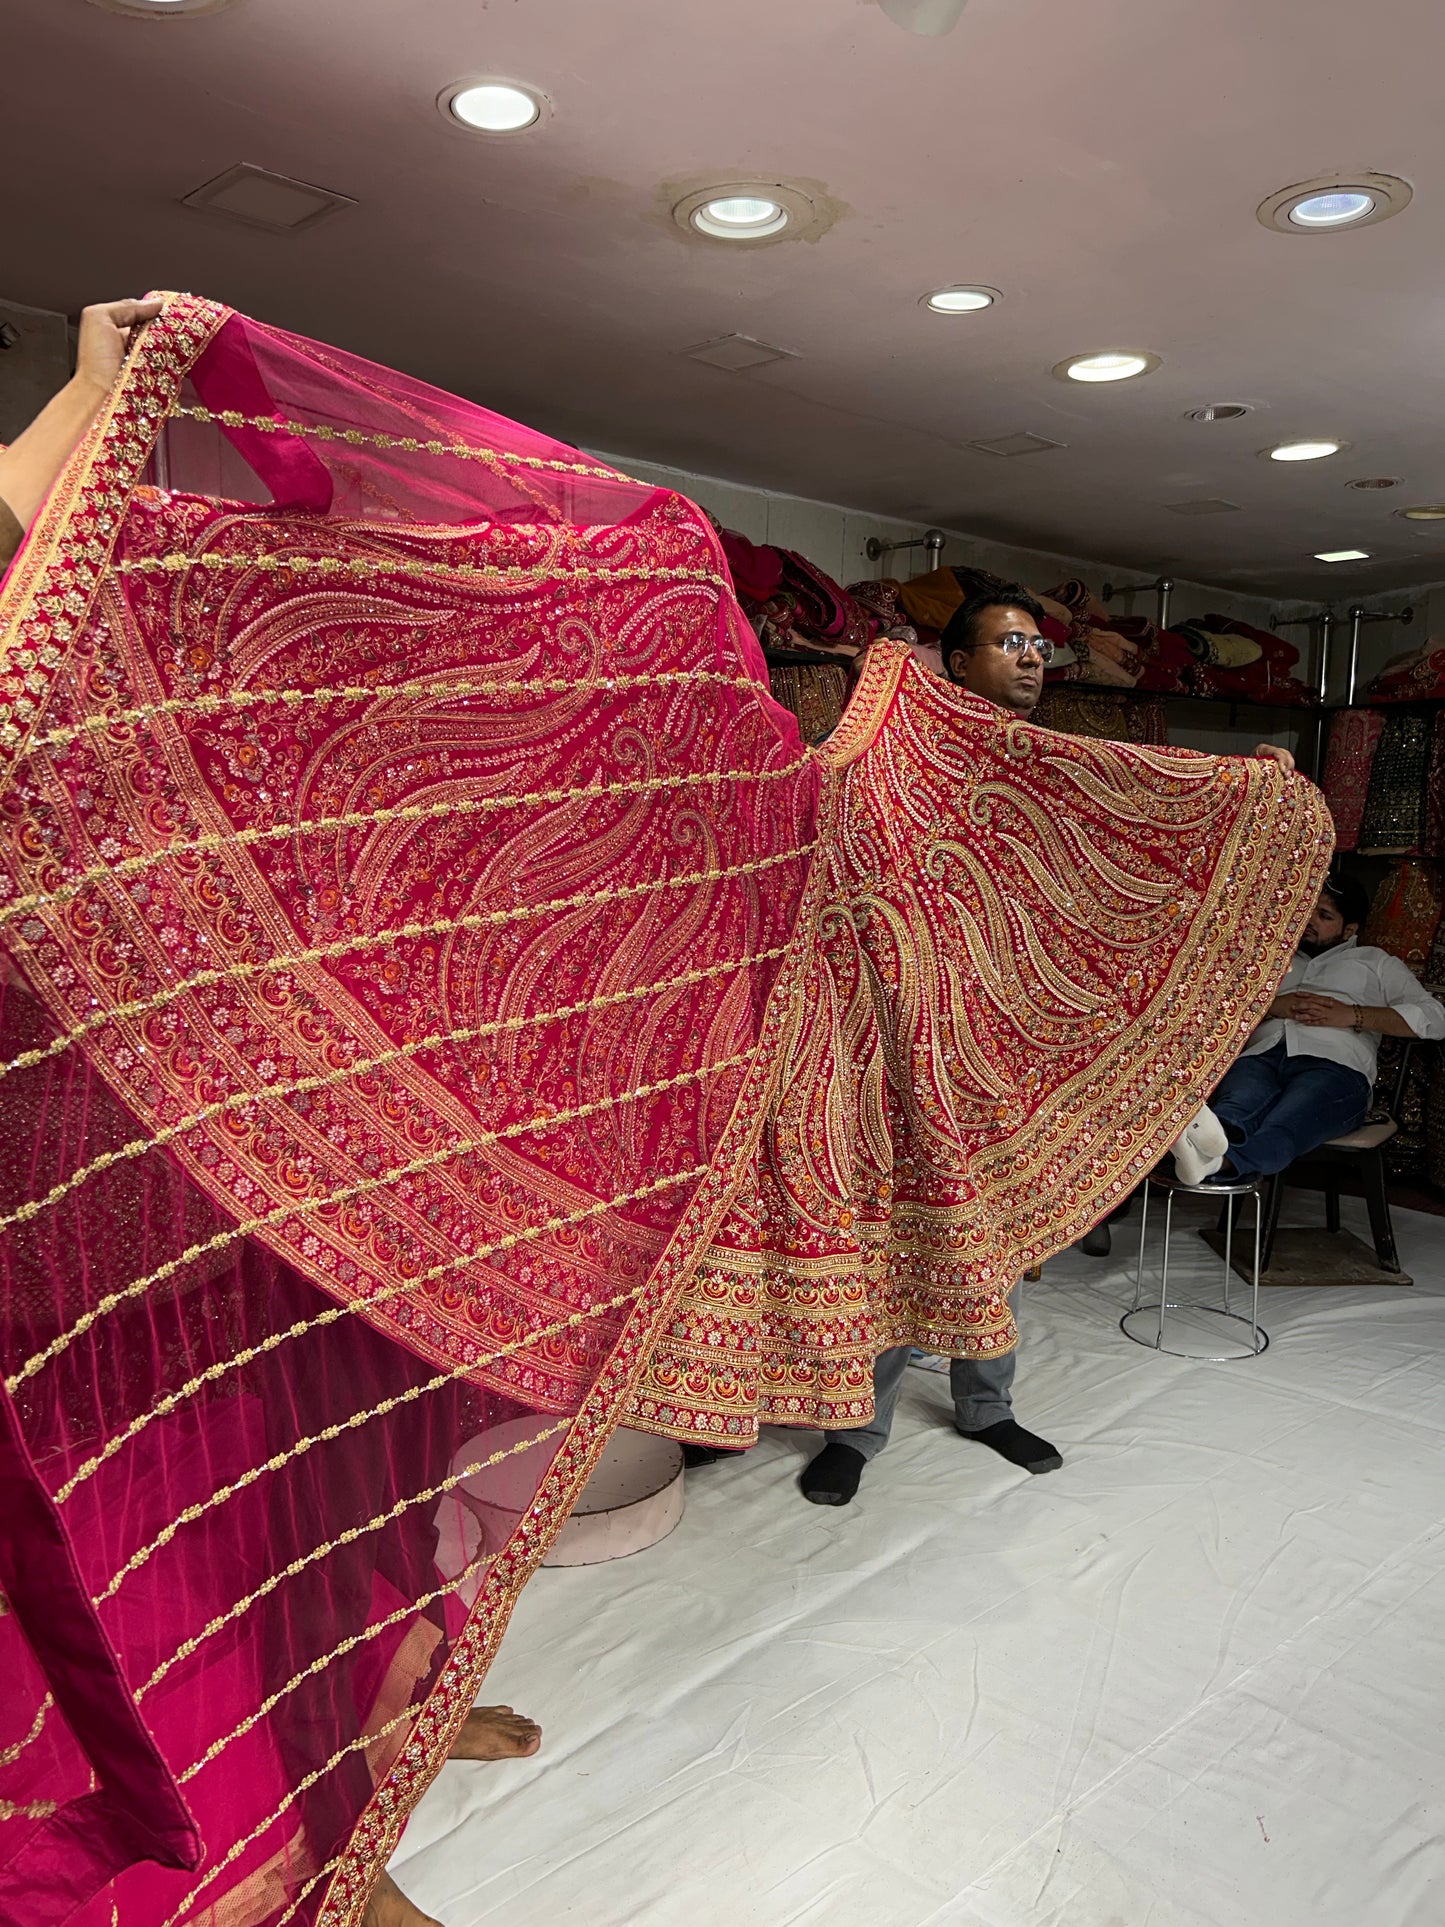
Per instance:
(400,845)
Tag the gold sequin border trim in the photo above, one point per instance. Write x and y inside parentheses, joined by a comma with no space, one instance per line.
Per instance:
(414,689)
(359,568)
(408,444)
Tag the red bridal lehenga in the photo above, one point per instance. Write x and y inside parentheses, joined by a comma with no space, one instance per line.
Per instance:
(446,1010)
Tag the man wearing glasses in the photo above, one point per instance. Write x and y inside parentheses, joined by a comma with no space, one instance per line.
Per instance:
(994,648)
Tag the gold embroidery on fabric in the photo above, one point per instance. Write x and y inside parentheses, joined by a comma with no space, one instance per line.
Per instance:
(398,813)
(380,939)
(356,438)
(10,1754)
(361,568)
(412,690)
(238,1847)
(305,1207)
(373,1631)
(448,1484)
(307,1086)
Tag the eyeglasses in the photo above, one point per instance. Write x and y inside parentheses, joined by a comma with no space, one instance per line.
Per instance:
(1015,643)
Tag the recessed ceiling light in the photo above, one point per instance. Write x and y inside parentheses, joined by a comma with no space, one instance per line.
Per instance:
(745,217)
(1425,512)
(492,106)
(1368,483)
(1302,451)
(751,213)
(1117,364)
(1342,555)
(1332,202)
(1218,411)
(961,300)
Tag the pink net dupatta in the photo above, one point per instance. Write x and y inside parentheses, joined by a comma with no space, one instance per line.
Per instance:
(400,850)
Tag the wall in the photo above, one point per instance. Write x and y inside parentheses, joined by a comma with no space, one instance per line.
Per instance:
(33,367)
(834,537)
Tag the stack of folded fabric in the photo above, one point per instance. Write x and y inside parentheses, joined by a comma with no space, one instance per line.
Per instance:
(1413,678)
(1232,661)
(1354,739)
(1112,651)
(792,605)
(813,633)
(930,600)
(816,693)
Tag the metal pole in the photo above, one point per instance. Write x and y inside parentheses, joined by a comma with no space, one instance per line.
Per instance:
(1327,623)
(1164,1272)
(933,548)
(1143,1233)
(1357,617)
(1166,589)
(1254,1296)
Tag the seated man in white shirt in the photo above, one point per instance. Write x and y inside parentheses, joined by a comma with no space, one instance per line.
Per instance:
(1306,1074)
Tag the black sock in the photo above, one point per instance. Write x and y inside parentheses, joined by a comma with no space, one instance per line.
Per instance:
(1012,1442)
(832,1478)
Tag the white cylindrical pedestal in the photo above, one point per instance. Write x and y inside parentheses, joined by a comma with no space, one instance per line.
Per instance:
(633,1499)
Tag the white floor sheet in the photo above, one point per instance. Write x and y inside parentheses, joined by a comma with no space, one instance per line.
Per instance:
(1194,1679)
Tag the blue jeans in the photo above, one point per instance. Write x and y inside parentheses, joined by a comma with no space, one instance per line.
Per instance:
(1275,1107)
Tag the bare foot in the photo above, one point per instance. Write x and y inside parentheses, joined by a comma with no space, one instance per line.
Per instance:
(389,1907)
(495,1733)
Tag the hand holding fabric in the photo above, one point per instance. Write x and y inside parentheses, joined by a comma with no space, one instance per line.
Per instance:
(1275,753)
(105,337)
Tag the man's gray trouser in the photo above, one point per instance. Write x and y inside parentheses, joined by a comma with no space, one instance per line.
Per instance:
(982,1394)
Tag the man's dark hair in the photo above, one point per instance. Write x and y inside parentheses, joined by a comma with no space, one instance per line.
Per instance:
(962,629)
(1350,898)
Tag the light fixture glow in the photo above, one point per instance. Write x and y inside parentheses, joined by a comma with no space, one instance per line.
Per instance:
(960,300)
(740,217)
(1425,512)
(1336,208)
(1342,555)
(1326,203)
(1115,365)
(495,107)
(1303,451)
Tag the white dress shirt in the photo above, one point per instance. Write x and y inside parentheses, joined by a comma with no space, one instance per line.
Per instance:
(1351,974)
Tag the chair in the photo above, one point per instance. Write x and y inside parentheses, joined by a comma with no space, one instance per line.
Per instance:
(1361,1151)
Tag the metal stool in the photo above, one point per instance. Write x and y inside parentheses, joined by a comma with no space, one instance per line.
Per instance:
(1228,1195)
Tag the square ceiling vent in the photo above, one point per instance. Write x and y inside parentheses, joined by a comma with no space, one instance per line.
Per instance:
(738,352)
(260,199)
(1017,445)
(1206,505)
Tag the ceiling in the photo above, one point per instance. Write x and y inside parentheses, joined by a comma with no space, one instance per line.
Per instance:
(1100,164)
